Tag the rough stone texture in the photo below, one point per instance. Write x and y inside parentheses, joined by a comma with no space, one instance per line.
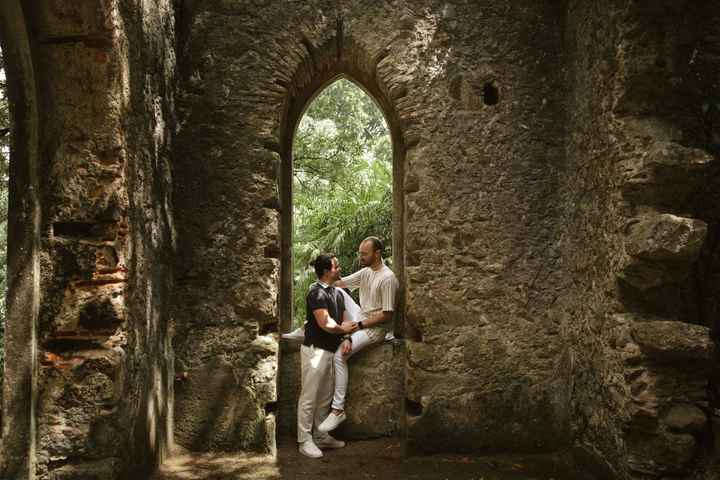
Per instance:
(667,364)
(674,342)
(106,70)
(663,248)
(375,397)
(685,418)
(23,242)
(667,174)
(208,421)
(666,453)
(557,208)
(376,393)
(97,470)
(666,237)
(639,151)
(227,219)
(289,380)
(482,206)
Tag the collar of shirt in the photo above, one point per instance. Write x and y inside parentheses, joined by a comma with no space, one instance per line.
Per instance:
(382,266)
(322,284)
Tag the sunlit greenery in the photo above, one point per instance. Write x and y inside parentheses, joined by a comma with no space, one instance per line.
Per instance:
(342,182)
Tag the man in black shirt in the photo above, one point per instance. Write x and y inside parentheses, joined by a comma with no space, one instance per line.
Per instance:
(325,325)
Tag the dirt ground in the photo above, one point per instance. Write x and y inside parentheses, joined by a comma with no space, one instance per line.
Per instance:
(362,460)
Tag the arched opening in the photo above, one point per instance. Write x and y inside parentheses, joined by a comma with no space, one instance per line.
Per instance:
(351,69)
(342,183)
(296,105)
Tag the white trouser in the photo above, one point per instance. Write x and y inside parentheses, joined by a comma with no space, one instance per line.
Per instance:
(360,339)
(316,391)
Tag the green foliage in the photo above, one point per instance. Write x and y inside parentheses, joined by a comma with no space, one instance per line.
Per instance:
(342,182)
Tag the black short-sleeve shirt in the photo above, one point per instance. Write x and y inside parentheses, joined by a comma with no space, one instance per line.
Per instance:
(333,301)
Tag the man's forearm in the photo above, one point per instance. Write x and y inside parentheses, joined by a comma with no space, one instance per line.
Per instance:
(331,326)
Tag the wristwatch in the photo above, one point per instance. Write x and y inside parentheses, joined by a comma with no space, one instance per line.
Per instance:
(360,325)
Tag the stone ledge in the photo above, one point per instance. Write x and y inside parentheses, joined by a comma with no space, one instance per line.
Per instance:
(668,173)
(106,469)
(662,249)
(673,341)
(375,395)
(665,238)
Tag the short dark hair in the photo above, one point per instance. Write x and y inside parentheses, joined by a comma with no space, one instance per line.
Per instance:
(322,263)
(377,243)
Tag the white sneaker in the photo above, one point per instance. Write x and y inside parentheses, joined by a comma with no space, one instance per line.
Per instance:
(326,442)
(297,335)
(331,422)
(309,449)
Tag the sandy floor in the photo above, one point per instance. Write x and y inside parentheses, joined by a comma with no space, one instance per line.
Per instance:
(366,460)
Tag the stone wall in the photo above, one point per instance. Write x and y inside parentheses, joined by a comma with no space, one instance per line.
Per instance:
(555,173)
(590,244)
(226,207)
(638,194)
(667,173)
(486,369)
(106,70)
(23,242)
(474,101)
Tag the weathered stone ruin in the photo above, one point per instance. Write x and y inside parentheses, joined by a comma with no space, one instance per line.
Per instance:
(557,210)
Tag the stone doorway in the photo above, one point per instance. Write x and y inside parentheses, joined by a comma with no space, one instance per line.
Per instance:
(376,397)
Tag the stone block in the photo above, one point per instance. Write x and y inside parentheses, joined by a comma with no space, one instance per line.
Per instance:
(654,386)
(661,453)
(685,418)
(289,384)
(90,311)
(665,238)
(90,181)
(219,403)
(375,397)
(673,341)
(86,141)
(80,18)
(88,93)
(81,389)
(106,469)
(662,249)
(666,174)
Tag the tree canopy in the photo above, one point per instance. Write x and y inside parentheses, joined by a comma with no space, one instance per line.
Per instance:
(342,157)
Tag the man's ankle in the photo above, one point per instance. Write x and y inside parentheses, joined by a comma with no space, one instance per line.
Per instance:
(337,411)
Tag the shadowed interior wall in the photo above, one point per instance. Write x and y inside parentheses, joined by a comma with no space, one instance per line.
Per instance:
(23,294)
(106,70)
(641,219)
